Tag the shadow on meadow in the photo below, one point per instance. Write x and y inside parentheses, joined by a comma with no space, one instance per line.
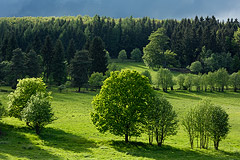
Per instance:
(14,142)
(143,150)
(179,94)
(59,139)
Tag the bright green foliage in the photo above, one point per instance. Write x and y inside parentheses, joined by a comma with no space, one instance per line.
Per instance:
(235,81)
(38,111)
(25,89)
(180,81)
(163,119)
(202,118)
(196,67)
(80,68)
(164,78)
(96,80)
(148,75)
(189,124)
(222,78)
(211,80)
(122,55)
(111,68)
(136,55)
(197,82)
(219,127)
(122,104)
(59,66)
(156,53)
(188,82)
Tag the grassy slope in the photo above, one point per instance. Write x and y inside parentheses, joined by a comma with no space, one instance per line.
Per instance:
(72,135)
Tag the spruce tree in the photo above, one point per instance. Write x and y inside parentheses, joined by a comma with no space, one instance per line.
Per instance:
(33,64)
(98,55)
(58,65)
(80,68)
(47,54)
(70,51)
(18,67)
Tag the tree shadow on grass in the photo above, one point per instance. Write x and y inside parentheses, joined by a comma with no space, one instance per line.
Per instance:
(59,139)
(143,150)
(13,142)
(181,95)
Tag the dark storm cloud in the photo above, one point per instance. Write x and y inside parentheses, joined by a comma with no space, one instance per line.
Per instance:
(160,9)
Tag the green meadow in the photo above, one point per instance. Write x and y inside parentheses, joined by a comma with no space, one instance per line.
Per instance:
(73,136)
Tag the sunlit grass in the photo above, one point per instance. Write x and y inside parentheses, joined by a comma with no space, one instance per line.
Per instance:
(73,136)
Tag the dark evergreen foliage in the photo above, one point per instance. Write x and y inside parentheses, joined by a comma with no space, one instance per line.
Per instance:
(98,56)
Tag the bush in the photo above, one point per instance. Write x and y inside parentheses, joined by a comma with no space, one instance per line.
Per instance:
(136,55)
(38,111)
(196,67)
(122,55)
(148,75)
(96,80)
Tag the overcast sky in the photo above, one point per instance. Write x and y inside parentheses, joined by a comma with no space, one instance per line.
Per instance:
(159,9)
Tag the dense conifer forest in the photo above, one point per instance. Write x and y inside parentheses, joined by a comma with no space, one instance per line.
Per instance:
(187,36)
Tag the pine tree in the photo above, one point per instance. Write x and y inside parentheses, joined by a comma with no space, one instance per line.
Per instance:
(33,64)
(98,55)
(18,67)
(47,54)
(70,51)
(58,64)
(80,68)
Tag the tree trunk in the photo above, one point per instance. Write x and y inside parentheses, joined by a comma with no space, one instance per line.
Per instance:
(216,144)
(79,89)
(37,127)
(235,89)
(126,138)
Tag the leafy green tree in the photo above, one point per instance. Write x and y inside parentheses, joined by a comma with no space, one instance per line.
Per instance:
(164,119)
(20,97)
(164,78)
(6,72)
(211,80)
(111,68)
(96,80)
(202,117)
(122,104)
(219,127)
(197,82)
(18,70)
(33,64)
(59,66)
(136,55)
(148,75)
(222,78)
(180,81)
(196,67)
(156,53)
(47,55)
(98,55)
(188,82)
(122,55)
(189,122)
(80,68)
(38,111)
(235,81)
(71,50)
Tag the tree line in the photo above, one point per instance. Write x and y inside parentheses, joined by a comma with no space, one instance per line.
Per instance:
(212,81)
(186,38)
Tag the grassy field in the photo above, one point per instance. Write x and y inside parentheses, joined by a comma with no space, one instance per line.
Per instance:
(73,136)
